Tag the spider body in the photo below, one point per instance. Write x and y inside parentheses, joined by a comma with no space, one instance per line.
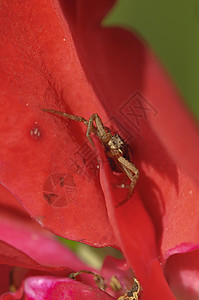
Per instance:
(115,147)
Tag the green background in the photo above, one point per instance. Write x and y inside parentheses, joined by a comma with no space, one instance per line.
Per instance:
(171,28)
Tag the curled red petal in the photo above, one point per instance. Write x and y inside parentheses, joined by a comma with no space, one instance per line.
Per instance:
(136,234)
(156,286)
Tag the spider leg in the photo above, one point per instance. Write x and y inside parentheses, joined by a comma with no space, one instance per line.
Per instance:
(98,130)
(129,169)
(131,186)
(131,172)
(67,116)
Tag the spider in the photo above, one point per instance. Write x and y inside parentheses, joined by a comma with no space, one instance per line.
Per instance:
(113,144)
(133,294)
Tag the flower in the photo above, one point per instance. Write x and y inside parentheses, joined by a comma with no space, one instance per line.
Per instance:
(57,55)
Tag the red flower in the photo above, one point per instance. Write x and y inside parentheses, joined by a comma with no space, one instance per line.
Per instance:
(56,55)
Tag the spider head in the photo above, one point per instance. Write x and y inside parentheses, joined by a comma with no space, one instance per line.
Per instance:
(119,148)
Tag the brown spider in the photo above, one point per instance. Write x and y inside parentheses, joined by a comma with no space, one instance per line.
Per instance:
(132,294)
(113,144)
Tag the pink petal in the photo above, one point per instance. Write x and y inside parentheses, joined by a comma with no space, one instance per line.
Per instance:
(182,273)
(24,243)
(59,288)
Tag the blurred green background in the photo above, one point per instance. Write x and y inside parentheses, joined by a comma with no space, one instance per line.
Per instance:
(171,28)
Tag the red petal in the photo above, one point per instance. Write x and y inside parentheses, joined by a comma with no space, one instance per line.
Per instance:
(138,94)
(156,286)
(4,278)
(134,230)
(120,65)
(180,223)
(41,69)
